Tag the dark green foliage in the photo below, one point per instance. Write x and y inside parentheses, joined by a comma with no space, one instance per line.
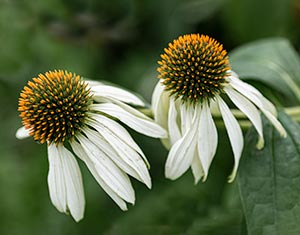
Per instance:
(269,181)
(121,42)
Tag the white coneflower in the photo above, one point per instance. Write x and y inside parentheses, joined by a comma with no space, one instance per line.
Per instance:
(60,108)
(194,75)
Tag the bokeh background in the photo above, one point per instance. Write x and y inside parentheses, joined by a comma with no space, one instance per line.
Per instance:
(119,41)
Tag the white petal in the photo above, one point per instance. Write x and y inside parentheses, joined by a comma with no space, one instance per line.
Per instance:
(117,180)
(182,153)
(235,135)
(275,123)
(92,82)
(160,107)
(174,132)
(22,133)
(252,94)
(250,111)
(73,183)
(120,132)
(186,116)
(102,144)
(197,168)
(116,93)
(207,138)
(262,103)
(140,123)
(126,152)
(160,104)
(79,151)
(56,179)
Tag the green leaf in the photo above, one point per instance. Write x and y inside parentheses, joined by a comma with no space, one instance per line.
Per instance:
(269,180)
(273,62)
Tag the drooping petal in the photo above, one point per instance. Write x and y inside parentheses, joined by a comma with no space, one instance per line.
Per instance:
(56,179)
(79,151)
(120,132)
(249,110)
(182,153)
(235,135)
(160,104)
(207,138)
(102,144)
(126,152)
(275,123)
(116,93)
(174,132)
(22,133)
(73,183)
(266,107)
(197,168)
(140,123)
(117,180)
(160,107)
(252,92)
(186,116)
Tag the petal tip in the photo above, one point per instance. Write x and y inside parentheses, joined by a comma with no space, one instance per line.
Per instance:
(22,133)
(231,178)
(260,143)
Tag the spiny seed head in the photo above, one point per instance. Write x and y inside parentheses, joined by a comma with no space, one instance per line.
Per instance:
(53,106)
(194,68)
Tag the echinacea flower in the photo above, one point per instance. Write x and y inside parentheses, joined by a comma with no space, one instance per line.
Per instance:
(61,109)
(195,75)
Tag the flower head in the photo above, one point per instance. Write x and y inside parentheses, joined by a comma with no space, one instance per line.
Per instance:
(54,106)
(194,75)
(61,108)
(194,68)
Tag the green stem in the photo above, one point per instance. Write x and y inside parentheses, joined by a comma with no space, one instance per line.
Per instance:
(294,112)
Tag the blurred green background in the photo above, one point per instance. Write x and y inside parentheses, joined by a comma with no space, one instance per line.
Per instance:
(119,41)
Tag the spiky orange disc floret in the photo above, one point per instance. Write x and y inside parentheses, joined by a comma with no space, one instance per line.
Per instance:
(53,106)
(194,67)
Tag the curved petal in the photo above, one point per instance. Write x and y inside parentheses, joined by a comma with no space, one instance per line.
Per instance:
(262,103)
(275,123)
(156,96)
(235,135)
(117,180)
(186,116)
(120,132)
(56,179)
(249,110)
(143,125)
(128,155)
(174,133)
(207,138)
(73,183)
(160,107)
(252,92)
(79,151)
(116,93)
(102,144)
(197,168)
(22,133)
(182,153)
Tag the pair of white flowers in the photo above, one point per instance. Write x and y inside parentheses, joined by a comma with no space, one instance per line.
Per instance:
(62,109)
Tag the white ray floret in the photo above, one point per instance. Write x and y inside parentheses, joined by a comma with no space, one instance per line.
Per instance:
(103,144)
(193,141)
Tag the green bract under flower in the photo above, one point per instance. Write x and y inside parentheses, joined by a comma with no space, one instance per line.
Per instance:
(194,67)
(53,106)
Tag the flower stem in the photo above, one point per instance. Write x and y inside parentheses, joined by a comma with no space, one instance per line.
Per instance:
(294,112)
